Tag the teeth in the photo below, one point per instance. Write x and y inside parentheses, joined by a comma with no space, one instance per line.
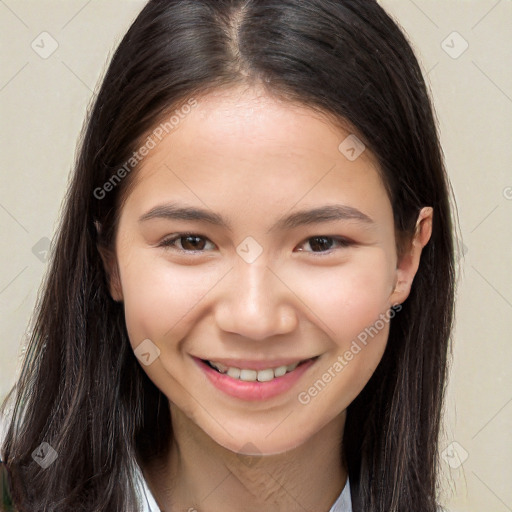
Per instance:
(265,375)
(253,375)
(248,375)
(279,372)
(234,372)
(221,367)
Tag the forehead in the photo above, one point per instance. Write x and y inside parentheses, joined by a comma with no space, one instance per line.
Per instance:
(243,149)
(249,121)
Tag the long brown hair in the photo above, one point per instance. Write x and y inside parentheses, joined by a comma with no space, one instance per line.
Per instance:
(81,388)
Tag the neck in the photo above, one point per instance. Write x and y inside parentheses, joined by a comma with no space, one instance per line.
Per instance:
(198,473)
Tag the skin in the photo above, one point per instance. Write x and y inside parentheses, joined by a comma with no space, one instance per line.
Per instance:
(252,159)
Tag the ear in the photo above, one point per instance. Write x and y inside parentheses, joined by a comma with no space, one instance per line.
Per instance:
(408,263)
(111,270)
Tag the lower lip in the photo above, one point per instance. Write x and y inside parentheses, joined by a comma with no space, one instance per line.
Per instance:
(256,390)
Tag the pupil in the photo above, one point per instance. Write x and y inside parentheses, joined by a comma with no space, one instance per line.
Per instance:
(194,242)
(323,245)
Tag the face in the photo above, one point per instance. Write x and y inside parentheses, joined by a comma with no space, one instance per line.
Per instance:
(247,290)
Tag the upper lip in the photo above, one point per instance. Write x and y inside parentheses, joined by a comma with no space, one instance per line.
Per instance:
(254,364)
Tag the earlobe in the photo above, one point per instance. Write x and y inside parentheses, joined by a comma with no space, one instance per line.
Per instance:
(410,260)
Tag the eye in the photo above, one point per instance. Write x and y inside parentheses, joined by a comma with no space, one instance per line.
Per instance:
(185,242)
(323,244)
(196,243)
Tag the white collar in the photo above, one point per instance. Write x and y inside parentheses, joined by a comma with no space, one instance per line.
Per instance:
(148,502)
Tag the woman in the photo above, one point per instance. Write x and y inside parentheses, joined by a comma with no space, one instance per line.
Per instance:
(251,292)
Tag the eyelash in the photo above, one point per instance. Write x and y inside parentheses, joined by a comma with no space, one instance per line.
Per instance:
(169,243)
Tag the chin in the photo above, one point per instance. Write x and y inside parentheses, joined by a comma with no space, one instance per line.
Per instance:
(259,443)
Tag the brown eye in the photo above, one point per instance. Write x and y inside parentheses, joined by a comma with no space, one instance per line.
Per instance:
(186,242)
(324,244)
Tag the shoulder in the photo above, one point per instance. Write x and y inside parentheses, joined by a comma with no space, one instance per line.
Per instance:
(147,500)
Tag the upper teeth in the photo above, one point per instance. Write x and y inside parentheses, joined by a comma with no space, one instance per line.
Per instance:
(254,375)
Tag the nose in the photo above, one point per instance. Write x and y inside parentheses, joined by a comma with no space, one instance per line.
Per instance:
(255,303)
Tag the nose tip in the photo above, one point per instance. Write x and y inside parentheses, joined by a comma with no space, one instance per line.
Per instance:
(256,304)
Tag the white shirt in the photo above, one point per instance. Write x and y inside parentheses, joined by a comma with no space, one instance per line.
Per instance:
(148,502)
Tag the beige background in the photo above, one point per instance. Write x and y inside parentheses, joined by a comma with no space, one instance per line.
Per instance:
(43,102)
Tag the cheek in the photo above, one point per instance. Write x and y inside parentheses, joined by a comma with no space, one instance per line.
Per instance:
(159,298)
(348,297)
(354,302)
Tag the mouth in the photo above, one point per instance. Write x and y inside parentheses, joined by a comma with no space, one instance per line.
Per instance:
(251,380)
(248,374)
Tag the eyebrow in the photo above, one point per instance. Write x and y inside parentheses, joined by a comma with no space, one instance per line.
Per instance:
(327,213)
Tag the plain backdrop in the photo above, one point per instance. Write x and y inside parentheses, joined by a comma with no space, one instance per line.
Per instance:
(53,54)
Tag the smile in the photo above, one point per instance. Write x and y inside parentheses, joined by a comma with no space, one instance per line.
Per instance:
(251,381)
(248,375)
